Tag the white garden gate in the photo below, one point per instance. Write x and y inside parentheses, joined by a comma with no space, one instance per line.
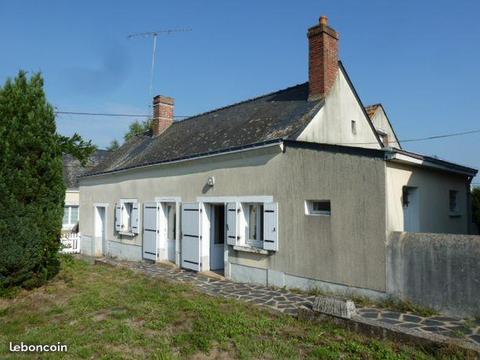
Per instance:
(70,243)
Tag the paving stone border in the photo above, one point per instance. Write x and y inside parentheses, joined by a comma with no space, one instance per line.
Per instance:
(440,329)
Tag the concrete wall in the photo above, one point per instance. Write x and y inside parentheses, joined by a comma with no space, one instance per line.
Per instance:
(72,197)
(280,279)
(347,247)
(436,270)
(332,124)
(122,251)
(433,191)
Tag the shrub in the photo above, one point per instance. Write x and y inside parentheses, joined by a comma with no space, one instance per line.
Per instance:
(32,190)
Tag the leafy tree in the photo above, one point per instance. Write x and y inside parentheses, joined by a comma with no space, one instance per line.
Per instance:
(114,145)
(476,206)
(138,128)
(32,189)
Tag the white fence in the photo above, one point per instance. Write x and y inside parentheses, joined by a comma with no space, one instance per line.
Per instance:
(71,243)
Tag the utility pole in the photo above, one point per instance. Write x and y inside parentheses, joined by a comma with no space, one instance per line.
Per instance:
(154,35)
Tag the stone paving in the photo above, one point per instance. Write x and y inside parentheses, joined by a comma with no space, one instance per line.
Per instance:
(288,302)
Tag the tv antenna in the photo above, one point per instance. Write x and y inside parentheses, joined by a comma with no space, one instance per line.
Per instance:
(154,35)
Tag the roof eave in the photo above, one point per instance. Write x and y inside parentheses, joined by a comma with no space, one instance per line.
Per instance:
(404,157)
(263,144)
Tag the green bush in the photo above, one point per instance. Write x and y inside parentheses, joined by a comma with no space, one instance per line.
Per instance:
(32,190)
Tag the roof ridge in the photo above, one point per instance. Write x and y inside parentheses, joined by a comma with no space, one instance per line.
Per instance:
(239,102)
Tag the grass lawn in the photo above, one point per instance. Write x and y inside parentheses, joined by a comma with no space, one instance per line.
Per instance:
(103,312)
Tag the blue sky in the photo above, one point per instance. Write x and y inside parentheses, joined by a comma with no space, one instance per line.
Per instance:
(419,58)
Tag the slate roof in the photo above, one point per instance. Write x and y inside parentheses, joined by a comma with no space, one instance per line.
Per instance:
(72,168)
(278,115)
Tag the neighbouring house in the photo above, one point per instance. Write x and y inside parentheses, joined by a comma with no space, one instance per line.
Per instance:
(299,188)
(72,169)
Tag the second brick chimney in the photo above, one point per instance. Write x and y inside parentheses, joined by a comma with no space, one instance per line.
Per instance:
(163,107)
(323,59)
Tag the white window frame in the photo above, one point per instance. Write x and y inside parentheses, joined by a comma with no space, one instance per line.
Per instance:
(69,225)
(310,211)
(126,230)
(242,226)
(245,224)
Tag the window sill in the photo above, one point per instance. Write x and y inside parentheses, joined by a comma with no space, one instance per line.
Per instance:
(454,215)
(127,233)
(250,249)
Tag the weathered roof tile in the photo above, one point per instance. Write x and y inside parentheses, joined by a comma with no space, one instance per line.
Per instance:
(281,114)
(72,168)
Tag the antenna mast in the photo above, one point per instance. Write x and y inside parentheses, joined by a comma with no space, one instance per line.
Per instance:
(154,35)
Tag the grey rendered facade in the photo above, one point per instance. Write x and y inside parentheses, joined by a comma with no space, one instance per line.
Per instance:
(342,248)
(276,155)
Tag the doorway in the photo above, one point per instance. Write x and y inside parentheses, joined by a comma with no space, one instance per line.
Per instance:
(100,228)
(170,228)
(217,237)
(411,213)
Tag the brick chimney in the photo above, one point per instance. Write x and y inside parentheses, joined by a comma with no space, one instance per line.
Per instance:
(163,107)
(322,59)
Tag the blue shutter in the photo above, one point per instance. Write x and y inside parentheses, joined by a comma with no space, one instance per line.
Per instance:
(270,226)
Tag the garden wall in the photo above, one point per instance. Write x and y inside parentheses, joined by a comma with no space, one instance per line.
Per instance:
(440,271)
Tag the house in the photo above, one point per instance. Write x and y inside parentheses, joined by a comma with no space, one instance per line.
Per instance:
(299,188)
(72,169)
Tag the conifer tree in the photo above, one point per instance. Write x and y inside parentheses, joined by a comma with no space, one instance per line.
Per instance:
(32,189)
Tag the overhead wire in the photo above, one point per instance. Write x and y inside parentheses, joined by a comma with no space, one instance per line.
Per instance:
(408,140)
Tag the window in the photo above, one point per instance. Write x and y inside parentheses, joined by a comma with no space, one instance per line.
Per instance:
(254,224)
(66,215)
(127,217)
(73,214)
(251,226)
(318,207)
(354,127)
(70,216)
(453,202)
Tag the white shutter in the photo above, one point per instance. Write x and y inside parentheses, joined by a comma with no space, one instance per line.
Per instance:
(118,217)
(191,236)
(270,226)
(233,211)
(135,219)
(150,230)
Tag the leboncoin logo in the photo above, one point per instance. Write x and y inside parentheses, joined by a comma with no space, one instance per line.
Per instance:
(58,347)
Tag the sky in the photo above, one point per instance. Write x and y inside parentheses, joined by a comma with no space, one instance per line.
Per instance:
(420,59)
